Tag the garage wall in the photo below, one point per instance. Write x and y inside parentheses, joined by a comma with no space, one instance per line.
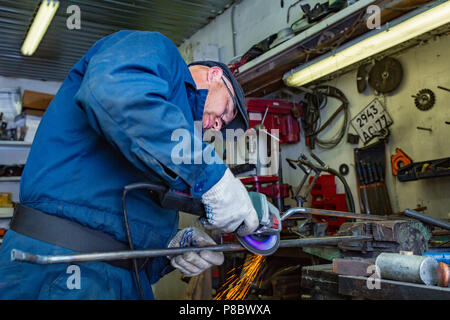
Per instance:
(424,67)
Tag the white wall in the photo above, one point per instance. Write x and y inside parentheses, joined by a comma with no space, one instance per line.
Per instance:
(424,67)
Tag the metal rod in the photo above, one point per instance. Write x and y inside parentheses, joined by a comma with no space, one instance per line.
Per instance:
(18,255)
(330,213)
(306,242)
(426,219)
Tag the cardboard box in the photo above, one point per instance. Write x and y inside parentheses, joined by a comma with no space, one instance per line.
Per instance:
(36,100)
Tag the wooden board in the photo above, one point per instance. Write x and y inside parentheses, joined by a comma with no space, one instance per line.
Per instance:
(36,100)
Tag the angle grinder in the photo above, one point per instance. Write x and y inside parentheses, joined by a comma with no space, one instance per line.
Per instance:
(264,241)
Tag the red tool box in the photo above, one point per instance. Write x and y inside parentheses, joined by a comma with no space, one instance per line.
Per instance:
(272,188)
(280,115)
(324,196)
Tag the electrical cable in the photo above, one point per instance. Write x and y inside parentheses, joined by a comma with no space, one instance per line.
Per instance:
(130,240)
(127,189)
(311,120)
(348,192)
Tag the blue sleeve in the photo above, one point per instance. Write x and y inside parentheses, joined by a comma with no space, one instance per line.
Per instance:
(125,94)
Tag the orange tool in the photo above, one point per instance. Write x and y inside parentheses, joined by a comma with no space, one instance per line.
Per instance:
(398,160)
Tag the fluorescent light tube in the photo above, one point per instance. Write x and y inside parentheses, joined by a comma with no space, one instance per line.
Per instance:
(39,26)
(424,22)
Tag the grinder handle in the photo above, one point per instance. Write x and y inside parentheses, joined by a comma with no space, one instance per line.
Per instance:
(170,198)
(176,200)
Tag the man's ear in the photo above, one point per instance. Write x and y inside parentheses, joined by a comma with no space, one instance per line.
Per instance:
(214,74)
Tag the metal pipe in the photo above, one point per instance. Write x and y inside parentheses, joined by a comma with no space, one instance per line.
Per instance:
(18,255)
(426,219)
(418,269)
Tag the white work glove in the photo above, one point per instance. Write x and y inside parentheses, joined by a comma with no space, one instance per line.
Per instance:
(194,263)
(228,205)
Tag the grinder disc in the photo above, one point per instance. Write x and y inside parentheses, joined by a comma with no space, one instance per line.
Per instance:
(263,245)
(386,75)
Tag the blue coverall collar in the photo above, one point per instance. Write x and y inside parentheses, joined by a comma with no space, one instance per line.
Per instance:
(196,97)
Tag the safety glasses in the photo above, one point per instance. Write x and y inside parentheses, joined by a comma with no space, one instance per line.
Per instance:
(234,104)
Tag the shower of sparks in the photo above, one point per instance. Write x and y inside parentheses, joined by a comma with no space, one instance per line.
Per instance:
(236,287)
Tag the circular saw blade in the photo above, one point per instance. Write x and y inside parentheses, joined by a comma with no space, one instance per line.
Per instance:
(261,244)
(386,75)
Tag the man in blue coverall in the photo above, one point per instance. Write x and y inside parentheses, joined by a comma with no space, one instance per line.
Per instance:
(109,125)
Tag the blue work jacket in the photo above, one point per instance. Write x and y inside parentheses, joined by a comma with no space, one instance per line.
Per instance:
(111,124)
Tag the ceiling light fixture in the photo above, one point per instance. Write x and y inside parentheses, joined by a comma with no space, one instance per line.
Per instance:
(39,26)
(384,39)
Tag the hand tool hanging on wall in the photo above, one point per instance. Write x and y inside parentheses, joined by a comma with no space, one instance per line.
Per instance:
(370,173)
(398,160)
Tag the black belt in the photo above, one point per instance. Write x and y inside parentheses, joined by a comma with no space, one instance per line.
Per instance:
(67,234)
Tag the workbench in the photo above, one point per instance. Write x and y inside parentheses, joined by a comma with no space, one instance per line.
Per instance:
(324,284)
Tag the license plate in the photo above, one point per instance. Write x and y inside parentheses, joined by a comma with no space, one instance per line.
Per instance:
(371,120)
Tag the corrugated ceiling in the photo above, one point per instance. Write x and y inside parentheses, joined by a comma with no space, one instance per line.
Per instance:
(61,48)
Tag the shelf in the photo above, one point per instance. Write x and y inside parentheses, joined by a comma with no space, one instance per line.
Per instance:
(9,179)
(7,143)
(6,213)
